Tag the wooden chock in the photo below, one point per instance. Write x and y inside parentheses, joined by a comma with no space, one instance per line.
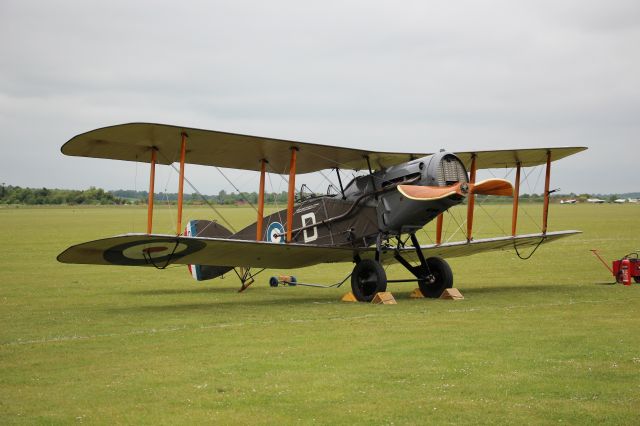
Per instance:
(384,298)
(349,297)
(451,294)
(416,294)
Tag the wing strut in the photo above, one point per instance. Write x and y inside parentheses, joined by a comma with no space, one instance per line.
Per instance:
(516,195)
(261,201)
(152,180)
(471,200)
(340,183)
(439,222)
(547,179)
(292,192)
(183,151)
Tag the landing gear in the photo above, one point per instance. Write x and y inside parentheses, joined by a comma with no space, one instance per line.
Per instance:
(437,277)
(434,275)
(367,279)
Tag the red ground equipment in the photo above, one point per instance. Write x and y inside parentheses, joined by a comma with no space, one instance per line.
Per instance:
(625,269)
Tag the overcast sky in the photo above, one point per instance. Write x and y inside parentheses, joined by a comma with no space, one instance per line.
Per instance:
(400,76)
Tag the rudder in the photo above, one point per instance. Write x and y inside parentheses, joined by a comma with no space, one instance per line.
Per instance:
(209,229)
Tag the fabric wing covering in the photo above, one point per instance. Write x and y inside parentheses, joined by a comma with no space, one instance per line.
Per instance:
(161,250)
(134,142)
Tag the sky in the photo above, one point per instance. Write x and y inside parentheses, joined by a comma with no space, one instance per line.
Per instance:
(413,76)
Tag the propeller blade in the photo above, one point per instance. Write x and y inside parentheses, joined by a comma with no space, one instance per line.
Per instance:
(428,193)
(493,187)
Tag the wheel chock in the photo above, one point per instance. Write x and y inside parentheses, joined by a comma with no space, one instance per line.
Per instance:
(416,294)
(451,294)
(349,297)
(384,298)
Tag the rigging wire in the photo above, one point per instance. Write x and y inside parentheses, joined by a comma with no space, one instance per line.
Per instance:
(236,188)
(165,193)
(231,227)
(275,197)
(135,189)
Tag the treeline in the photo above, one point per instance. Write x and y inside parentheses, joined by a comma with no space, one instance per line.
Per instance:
(40,196)
(223,197)
(96,196)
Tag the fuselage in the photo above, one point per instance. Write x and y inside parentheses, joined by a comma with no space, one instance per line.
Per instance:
(369,206)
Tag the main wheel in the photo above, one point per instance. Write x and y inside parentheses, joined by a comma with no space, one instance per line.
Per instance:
(367,279)
(636,279)
(441,278)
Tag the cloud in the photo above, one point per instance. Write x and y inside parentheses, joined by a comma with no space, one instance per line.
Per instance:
(409,75)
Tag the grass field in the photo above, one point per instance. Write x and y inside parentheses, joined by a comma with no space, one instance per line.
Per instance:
(542,341)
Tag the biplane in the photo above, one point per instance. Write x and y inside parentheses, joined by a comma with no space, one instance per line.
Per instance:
(369,221)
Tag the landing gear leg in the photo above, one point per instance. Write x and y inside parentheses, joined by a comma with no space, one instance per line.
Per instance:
(434,274)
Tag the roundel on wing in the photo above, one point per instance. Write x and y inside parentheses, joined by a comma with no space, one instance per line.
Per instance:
(275,232)
(145,252)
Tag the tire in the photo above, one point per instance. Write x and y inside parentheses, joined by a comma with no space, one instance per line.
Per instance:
(367,279)
(637,279)
(443,278)
(273,282)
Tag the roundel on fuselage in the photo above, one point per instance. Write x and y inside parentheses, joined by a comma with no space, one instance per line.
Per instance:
(275,232)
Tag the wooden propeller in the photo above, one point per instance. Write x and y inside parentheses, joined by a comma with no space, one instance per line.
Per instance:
(486,187)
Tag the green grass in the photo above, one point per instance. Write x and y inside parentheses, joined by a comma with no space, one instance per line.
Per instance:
(543,341)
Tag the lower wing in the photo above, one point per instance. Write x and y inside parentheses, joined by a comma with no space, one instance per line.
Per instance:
(162,250)
(464,248)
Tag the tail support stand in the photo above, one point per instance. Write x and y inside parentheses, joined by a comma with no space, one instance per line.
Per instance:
(246,277)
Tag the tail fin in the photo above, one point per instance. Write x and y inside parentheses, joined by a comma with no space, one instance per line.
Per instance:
(207,228)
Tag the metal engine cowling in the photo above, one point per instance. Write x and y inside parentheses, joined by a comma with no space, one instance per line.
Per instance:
(399,214)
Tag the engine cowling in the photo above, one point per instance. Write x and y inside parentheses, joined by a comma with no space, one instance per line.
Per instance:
(399,213)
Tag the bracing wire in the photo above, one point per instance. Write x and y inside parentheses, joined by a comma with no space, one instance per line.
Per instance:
(275,197)
(231,227)
(236,188)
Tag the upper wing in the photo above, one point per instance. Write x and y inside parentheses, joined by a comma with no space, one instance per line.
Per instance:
(134,142)
(161,250)
(511,157)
